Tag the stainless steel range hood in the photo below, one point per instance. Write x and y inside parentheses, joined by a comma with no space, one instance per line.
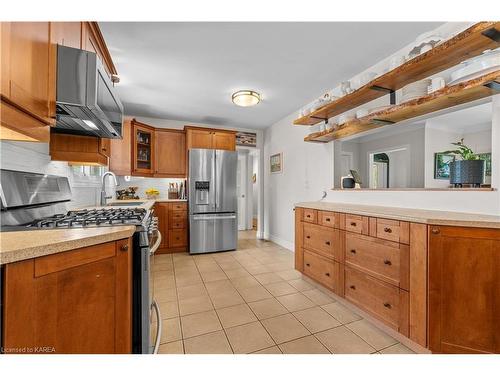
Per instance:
(86,102)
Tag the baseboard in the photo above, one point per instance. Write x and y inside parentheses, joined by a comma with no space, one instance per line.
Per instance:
(284,243)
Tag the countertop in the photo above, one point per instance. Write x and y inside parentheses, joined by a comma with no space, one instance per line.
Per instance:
(16,246)
(431,217)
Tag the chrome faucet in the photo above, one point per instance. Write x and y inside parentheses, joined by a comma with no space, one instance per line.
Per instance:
(104,198)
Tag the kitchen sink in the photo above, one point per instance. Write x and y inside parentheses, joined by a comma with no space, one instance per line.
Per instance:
(125,204)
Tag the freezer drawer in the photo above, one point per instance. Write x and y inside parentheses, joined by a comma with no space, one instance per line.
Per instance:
(212,232)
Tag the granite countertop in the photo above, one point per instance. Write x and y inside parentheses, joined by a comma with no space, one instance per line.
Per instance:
(21,245)
(431,217)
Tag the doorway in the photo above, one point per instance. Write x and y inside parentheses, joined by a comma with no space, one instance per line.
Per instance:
(248,192)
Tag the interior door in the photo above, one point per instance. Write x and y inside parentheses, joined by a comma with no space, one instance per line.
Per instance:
(241,191)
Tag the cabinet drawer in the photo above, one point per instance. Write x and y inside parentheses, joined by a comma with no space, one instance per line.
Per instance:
(356,224)
(177,215)
(386,302)
(377,257)
(178,223)
(327,241)
(181,206)
(393,230)
(177,238)
(324,271)
(329,219)
(311,216)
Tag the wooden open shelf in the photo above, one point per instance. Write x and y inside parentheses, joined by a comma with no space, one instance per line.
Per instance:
(465,92)
(469,43)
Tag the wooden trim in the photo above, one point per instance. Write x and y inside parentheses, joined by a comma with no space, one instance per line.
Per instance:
(142,124)
(61,261)
(404,317)
(451,52)
(372,226)
(19,295)
(299,239)
(123,291)
(194,127)
(79,157)
(404,232)
(94,27)
(19,121)
(404,266)
(418,283)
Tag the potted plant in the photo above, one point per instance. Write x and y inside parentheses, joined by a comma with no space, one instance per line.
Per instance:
(468,170)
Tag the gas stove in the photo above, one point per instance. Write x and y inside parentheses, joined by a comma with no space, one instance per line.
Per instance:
(100,217)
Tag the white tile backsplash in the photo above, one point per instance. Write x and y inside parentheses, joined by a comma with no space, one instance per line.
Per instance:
(144,183)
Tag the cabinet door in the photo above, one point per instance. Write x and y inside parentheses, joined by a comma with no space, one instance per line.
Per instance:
(170,153)
(26,73)
(161,212)
(224,141)
(198,138)
(143,150)
(464,290)
(120,158)
(77,149)
(105,146)
(52,302)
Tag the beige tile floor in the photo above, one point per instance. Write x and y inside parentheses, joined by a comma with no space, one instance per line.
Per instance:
(253,301)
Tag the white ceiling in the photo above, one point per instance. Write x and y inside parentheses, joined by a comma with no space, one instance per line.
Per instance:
(188,71)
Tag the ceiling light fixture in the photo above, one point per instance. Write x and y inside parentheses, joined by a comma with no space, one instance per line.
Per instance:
(246,98)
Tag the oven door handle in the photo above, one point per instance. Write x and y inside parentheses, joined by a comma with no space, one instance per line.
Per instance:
(154,305)
(155,247)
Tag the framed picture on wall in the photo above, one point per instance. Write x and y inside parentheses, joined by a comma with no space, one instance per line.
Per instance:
(276,161)
(442,165)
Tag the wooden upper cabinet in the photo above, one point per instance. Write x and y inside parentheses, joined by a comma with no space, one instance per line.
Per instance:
(93,41)
(464,290)
(199,138)
(224,141)
(120,158)
(143,149)
(210,138)
(170,153)
(79,149)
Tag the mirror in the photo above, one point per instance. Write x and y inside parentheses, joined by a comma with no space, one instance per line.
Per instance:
(412,155)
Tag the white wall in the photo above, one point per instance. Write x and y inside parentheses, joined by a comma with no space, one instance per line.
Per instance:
(307,172)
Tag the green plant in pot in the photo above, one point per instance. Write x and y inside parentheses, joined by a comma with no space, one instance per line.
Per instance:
(468,169)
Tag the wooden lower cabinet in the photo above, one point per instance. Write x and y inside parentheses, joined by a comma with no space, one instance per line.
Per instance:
(326,271)
(464,290)
(173,225)
(78,301)
(385,301)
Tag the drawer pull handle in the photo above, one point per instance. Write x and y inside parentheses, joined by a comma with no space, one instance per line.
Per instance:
(387,230)
(327,274)
(308,215)
(353,251)
(308,265)
(328,243)
(308,236)
(435,230)
(388,262)
(353,287)
(388,305)
(353,223)
(124,248)
(327,219)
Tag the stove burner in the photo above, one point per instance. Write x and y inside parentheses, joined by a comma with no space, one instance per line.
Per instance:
(92,218)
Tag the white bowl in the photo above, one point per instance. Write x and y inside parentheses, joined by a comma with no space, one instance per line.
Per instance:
(489,61)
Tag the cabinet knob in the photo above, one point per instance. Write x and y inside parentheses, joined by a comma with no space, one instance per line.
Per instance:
(308,215)
(353,223)
(435,231)
(308,236)
(308,265)
(124,248)
(327,243)
(387,230)
(353,251)
(327,274)
(387,305)
(327,219)
(388,262)
(104,149)
(353,287)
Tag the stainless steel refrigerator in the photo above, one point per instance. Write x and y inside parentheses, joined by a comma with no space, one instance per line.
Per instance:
(213,224)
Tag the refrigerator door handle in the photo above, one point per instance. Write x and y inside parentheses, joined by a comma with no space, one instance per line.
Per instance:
(213,217)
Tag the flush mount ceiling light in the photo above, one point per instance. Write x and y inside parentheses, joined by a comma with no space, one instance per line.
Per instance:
(246,98)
